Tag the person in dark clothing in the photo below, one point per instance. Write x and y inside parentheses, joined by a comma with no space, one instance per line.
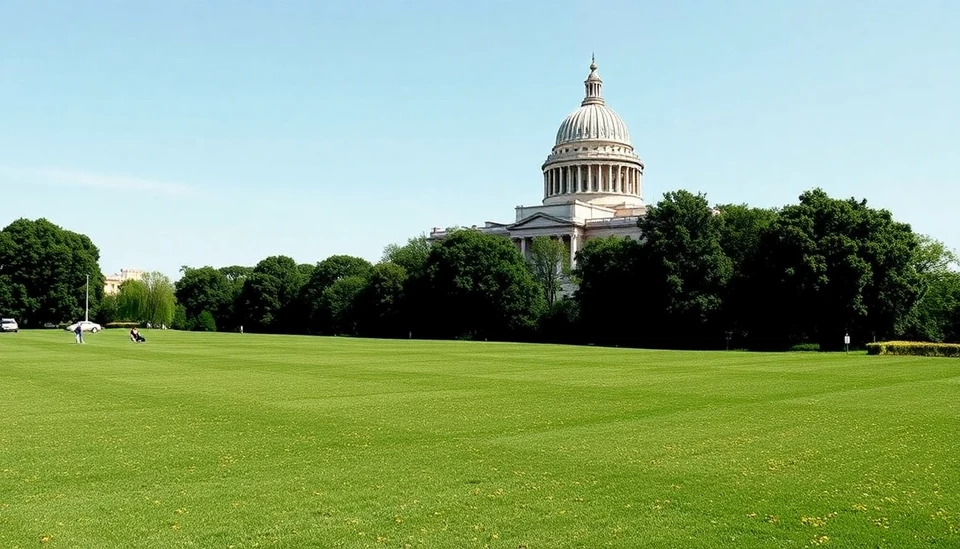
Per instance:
(136,337)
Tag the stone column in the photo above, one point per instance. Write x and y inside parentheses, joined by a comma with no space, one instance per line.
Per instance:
(579,179)
(523,247)
(573,249)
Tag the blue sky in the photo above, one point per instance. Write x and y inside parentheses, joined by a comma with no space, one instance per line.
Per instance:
(220,132)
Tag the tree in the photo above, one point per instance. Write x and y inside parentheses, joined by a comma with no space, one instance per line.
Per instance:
(43,272)
(161,300)
(691,270)
(236,275)
(412,256)
(205,289)
(741,229)
(318,304)
(478,286)
(268,295)
(550,264)
(833,267)
(206,322)
(107,311)
(132,299)
(379,307)
(149,300)
(936,314)
(609,268)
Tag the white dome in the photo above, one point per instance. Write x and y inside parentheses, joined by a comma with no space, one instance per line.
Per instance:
(593,121)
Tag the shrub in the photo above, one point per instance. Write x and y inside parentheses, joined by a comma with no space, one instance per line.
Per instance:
(206,322)
(805,347)
(913,348)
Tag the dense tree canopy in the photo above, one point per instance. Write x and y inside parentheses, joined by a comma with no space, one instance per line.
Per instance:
(43,273)
(478,286)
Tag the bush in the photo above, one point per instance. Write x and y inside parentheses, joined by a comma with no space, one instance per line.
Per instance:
(806,347)
(913,348)
(127,325)
(206,322)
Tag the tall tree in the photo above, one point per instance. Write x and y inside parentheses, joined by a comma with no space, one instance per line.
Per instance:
(412,256)
(609,268)
(322,309)
(682,238)
(132,299)
(550,264)
(379,306)
(936,314)
(43,272)
(834,267)
(478,286)
(205,289)
(269,293)
(161,299)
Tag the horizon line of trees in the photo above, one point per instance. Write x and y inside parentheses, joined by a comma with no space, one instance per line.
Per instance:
(699,277)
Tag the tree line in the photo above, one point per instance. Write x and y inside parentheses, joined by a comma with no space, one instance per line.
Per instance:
(699,276)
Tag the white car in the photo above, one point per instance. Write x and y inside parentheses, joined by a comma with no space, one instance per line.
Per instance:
(9,325)
(85,326)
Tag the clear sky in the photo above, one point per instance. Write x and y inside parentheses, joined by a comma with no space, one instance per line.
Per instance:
(221,132)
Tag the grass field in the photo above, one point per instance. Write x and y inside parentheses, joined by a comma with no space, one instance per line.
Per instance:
(222,440)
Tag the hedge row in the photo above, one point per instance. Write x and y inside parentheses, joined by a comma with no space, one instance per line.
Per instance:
(914,348)
(126,325)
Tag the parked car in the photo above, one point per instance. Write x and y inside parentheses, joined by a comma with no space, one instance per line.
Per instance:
(9,325)
(85,326)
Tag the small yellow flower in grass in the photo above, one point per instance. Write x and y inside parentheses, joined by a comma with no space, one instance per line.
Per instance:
(820,540)
(45,539)
(397,519)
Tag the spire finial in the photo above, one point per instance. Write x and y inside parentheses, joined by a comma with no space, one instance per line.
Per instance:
(593,84)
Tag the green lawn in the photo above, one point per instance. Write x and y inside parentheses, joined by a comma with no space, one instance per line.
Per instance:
(223,440)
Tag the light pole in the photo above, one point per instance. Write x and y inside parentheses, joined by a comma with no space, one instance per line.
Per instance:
(86,315)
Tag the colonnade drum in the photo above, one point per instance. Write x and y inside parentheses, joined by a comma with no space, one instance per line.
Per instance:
(592,178)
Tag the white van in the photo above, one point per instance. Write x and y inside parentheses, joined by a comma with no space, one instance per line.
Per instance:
(9,325)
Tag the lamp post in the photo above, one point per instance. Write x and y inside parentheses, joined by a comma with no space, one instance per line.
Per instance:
(86,315)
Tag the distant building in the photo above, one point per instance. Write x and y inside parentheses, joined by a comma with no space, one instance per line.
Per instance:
(111,283)
(591,181)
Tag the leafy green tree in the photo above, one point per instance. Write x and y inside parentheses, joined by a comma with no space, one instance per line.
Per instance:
(322,309)
(936,314)
(690,268)
(161,299)
(236,275)
(741,230)
(132,300)
(180,319)
(412,256)
(609,268)
(206,322)
(107,311)
(379,307)
(149,300)
(269,293)
(340,303)
(833,267)
(478,286)
(550,264)
(205,289)
(43,272)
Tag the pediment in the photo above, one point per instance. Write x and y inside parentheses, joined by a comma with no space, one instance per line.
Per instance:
(542,220)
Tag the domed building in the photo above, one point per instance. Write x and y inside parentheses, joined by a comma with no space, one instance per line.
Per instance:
(592,180)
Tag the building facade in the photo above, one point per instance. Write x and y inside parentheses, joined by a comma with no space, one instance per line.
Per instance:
(592,181)
(111,283)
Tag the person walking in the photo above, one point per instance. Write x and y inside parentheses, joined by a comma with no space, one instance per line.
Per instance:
(79,333)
